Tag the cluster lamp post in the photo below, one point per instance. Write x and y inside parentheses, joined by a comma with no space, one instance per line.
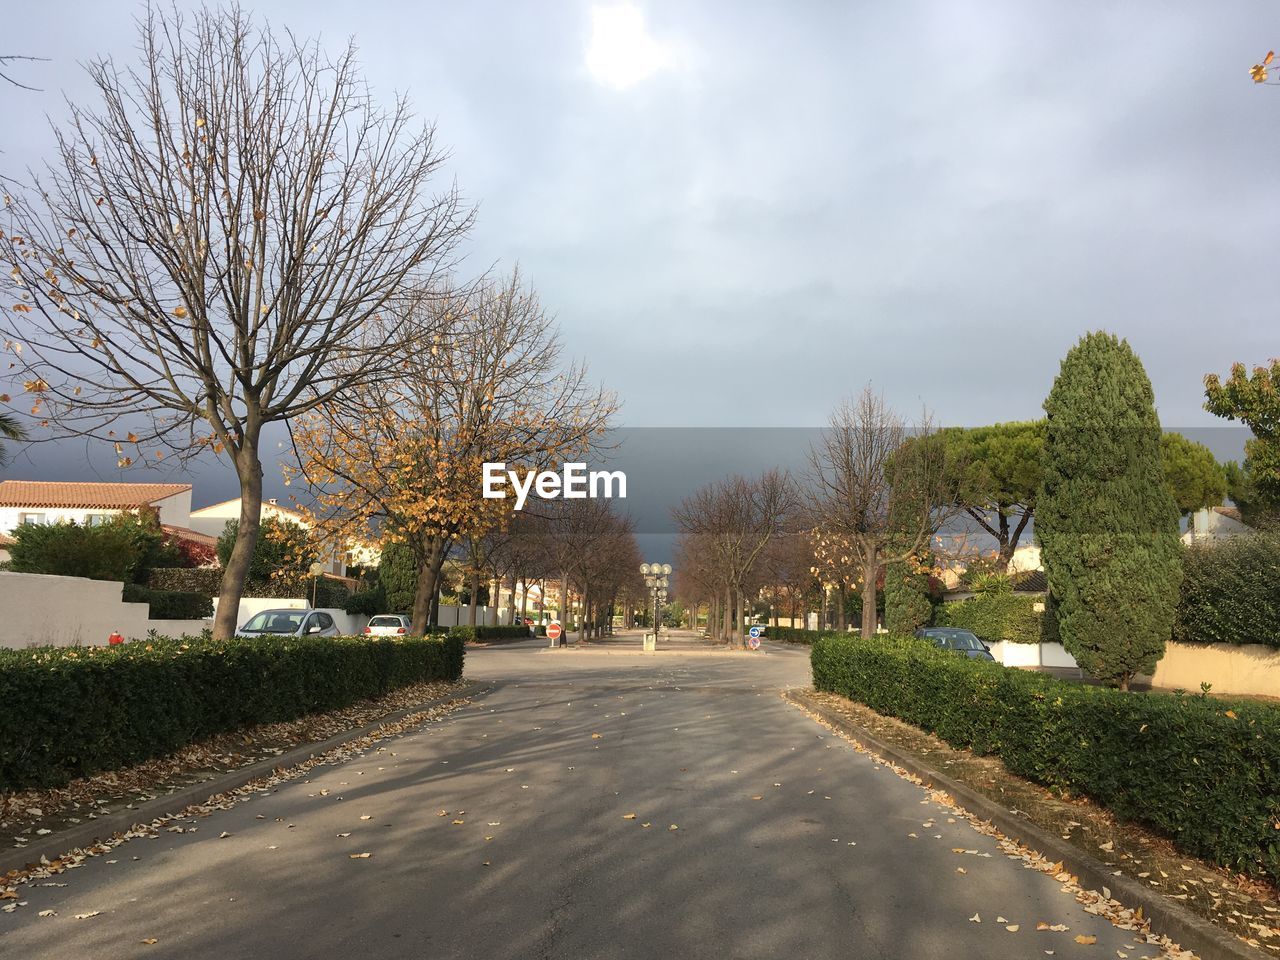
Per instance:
(655,578)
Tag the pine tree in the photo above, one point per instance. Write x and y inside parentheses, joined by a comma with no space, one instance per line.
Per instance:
(1105,518)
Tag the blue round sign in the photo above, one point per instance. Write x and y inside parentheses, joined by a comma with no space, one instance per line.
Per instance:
(755,632)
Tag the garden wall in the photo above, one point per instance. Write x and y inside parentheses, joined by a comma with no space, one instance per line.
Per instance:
(40,609)
(1232,669)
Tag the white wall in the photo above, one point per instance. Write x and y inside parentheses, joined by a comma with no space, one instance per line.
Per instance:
(37,609)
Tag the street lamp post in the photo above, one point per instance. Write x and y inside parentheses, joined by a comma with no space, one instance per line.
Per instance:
(656,579)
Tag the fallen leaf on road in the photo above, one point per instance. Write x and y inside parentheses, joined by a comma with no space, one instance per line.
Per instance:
(628,816)
(961,870)
(86,916)
(342,836)
(1086,939)
(495,823)
(458,823)
(1001,920)
(646,824)
(673,827)
(975,919)
(443,813)
(1107,846)
(365,816)
(149,941)
(47,913)
(1012,928)
(596,736)
(757,797)
(223,835)
(361,856)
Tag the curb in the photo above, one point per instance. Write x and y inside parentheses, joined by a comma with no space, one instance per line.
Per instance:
(85,835)
(1188,930)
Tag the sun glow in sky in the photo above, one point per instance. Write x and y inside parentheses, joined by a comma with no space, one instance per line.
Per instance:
(621,51)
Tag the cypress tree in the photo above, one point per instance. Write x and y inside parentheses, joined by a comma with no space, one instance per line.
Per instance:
(1105,518)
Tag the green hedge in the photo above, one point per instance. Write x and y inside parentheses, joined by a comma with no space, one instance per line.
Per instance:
(329,593)
(1203,771)
(72,711)
(490,634)
(792,634)
(170,604)
(1010,617)
(1231,592)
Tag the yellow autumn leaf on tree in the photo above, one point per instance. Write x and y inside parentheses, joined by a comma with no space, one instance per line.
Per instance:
(180,312)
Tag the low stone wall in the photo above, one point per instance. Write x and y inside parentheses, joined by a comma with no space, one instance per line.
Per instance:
(37,609)
(1248,668)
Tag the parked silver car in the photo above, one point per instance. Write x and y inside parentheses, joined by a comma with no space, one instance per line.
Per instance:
(290,623)
(387,625)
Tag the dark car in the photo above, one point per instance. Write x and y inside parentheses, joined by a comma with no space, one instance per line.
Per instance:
(957,640)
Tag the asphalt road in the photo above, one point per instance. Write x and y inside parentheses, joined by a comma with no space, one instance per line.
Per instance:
(546,863)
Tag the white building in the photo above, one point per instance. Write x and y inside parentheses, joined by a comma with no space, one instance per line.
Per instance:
(1214,525)
(212,520)
(45,501)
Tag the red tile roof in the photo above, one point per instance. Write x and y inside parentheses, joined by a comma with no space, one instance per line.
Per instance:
(59,493)
(186,533)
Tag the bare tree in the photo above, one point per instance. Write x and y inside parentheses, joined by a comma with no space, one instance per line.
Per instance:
(882,496)
(479,380)
(225,225)
(7,62)
(736,519)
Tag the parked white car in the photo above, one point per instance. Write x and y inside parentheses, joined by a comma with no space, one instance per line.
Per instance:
(387,625)
(290,623)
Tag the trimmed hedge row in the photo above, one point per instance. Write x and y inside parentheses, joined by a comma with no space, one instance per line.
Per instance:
(1010,617)
(1231,592)
(208,581)
(72,711)
(1203,771)
(509,633)
(169,604)
(792,634)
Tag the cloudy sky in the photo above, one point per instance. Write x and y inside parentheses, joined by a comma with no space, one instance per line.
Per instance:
(742,212)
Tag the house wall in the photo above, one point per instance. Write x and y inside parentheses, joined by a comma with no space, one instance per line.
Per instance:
(1245,669)
(173,510)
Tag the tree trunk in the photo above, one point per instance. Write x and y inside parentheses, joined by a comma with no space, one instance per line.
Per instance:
(870,570)
(524,599)
(473,599)
(727,632)
(425,611)
(249,470)
(842,607)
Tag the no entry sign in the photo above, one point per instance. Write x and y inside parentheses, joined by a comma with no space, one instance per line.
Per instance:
(553,630)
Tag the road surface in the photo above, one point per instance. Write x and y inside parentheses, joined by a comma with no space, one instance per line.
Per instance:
(756,834)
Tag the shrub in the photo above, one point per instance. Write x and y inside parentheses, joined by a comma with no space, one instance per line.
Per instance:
(125,548)
(73,711)
(791,634)
(367,603)
(995,616)
(1105,517)
(208,581)
(205,580)
(1205,772)
(491,634)
(1231,592)
(398,575)
(284,549)
(170,604)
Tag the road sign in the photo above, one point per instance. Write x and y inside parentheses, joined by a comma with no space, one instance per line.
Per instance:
(553,630)
(755,632)
(753,641)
